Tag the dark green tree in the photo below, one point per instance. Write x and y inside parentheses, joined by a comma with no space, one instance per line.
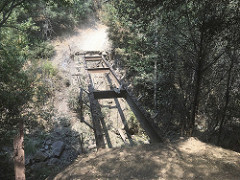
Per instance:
(188,43)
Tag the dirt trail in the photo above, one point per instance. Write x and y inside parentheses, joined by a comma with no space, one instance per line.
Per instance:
(92,37)
(182,159)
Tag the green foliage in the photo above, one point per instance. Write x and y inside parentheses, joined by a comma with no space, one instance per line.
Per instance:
(25,81)
(31,146)
(26,74)
(20,42)
(73,100)
(52,17)
(6,166)
(133,122)
(43,50)
(190,41)
(15,85)
(48,69)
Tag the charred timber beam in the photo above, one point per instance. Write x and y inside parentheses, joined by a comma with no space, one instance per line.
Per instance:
(96,119)
(84,53)
(93,58)
(98,70)
(109,94)
(96,114)
(92,52)
(144,122)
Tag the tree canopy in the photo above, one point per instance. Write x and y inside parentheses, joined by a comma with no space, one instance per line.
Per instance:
(25,30)
(193,46)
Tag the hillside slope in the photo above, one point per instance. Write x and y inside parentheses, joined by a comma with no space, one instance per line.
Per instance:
(182,159)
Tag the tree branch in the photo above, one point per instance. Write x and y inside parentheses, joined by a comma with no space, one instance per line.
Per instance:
(6,12)
(213,61)
(4,5)
(190,29)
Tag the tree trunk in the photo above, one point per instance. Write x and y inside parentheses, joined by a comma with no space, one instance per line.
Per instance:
(97,7)
(155,85)
(198,79)
(227,97)
(19,159)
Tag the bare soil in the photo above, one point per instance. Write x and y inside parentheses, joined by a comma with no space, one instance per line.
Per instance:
(182,159)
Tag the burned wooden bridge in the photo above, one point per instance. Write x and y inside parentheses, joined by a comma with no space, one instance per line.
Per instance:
(95,64)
